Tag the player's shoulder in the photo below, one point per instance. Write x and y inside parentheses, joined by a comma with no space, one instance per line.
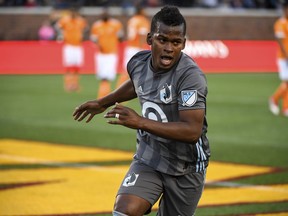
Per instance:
(186,61)
(140,57)
(187,65)
(64,19)
(281,21)
(134,20)
(97,24)
(115,21)
(82,19)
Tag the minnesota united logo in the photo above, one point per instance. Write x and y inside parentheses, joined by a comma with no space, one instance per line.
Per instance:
(130,180)
(189,98)
(166,94)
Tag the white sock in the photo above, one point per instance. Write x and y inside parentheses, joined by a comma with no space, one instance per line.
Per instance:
(116,213)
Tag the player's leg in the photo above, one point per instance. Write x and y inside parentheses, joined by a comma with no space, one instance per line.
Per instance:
(123,76)
(106,72)
(67,60)
(280,91)
(131,205)
(275,99)
(104,88)
(116,213)
(75,79)
(181,194)
(139,191)
(285,101)
(78,59)
(68,79)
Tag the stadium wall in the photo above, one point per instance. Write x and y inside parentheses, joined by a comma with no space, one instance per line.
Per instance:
(220,40)
(203,24)
(213,56)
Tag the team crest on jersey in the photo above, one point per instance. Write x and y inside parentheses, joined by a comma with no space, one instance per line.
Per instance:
(189,98)
(166,94)
(130,180)
(140,90)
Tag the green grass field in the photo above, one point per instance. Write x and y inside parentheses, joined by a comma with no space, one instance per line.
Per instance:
(241,128)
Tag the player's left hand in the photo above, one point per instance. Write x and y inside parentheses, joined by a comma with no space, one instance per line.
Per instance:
(123,116)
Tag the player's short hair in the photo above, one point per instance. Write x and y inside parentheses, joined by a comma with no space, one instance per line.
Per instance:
(169,15)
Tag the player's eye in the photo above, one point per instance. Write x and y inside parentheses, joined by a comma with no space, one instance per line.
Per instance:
(176,43)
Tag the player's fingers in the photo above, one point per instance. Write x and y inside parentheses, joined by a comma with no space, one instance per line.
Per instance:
(76,115)
(113,113)
(78,110)
(115,122)
(90,118)
(81,117)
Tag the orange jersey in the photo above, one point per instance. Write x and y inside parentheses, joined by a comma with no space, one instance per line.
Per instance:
(137,27)
(72,29)
(107,35)
(281,32)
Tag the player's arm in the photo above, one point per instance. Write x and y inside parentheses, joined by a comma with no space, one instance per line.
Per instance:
(59,30)
(90,108)
(187,129)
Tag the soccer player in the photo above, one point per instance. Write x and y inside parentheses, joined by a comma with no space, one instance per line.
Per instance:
(137,30)
(281,93)
(172,148)
(71,30)
(106,33)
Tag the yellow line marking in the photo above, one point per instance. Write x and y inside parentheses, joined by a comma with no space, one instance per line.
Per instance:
(55,152)
(81,188)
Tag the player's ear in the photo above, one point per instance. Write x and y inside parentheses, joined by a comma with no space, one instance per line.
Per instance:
(149,38)
(184,44)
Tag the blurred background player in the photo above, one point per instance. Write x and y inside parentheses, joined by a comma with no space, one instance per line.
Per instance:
(107,34)
(46,31)
(138,27)
(71,31)
(281,93)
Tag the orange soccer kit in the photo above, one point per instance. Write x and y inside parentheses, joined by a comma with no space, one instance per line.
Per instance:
(137,30)
(72,29)
(281,33)
(106,34)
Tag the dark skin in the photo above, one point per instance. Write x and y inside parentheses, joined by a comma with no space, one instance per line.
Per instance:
(166,46)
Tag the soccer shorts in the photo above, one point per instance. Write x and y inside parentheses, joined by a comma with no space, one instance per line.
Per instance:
(106,66)
(283,69)
(72,55)
(179,195)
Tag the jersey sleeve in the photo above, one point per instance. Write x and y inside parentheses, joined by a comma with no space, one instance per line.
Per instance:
(192,89)
(279,30)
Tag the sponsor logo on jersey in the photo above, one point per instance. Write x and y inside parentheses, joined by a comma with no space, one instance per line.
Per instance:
(189,98)
(130,180)
(166,94)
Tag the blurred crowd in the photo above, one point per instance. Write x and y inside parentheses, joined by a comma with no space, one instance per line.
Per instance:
(62,4)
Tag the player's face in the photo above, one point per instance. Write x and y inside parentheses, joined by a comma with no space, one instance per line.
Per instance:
(166,45)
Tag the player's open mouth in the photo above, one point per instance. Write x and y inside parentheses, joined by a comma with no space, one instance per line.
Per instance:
(166,60)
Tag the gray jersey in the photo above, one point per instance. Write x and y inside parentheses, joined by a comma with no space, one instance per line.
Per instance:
(162,96)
